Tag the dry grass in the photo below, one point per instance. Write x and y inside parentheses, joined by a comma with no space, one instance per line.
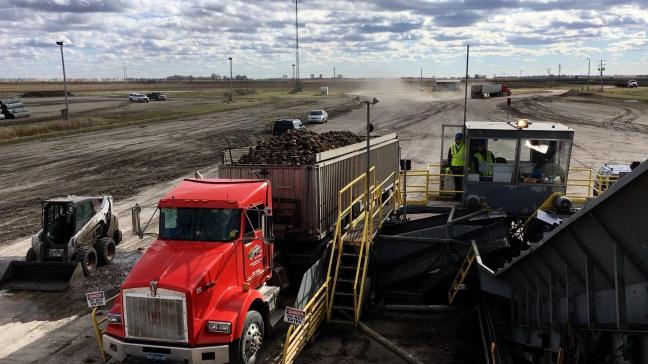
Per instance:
(198,98)
(639,93)
(83,124)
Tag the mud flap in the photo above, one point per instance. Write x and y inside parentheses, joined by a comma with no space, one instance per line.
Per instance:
(41,276)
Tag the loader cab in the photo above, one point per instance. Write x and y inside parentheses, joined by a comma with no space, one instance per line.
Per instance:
(62,218)
(515,165)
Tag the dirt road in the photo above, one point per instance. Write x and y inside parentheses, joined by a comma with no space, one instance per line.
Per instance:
(141,163)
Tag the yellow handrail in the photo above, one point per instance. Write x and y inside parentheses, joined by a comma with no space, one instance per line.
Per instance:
(97,329)
(425,185)
(298,336)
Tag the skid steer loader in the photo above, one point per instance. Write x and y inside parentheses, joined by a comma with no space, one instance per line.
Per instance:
(78,234)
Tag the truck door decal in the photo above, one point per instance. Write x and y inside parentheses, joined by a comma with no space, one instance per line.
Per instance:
(253,255)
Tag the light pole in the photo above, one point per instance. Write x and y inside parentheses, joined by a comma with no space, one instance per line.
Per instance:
(589,63)
(231,88)
(67,106)
(293,73)
(297,88)
(369,127)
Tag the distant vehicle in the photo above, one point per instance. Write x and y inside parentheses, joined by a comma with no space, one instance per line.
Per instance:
(629,83)
(283,125)
(494,90)
(156,96)
(317,116)
(137,97)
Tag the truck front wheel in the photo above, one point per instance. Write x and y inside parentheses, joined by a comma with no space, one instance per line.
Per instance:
(248,347)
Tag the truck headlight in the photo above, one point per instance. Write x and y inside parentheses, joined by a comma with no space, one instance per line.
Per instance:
(114,318)
(219,326)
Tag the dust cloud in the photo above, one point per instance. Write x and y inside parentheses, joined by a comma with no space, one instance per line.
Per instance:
(408,89)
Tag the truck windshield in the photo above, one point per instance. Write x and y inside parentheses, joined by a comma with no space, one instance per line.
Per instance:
(200,224)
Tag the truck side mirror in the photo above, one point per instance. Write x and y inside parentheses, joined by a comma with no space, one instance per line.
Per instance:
(268,236)
(137,227)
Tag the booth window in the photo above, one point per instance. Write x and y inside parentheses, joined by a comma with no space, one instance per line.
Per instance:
(544,161)
(492,160)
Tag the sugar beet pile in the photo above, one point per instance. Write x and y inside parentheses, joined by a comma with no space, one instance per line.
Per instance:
(297,147)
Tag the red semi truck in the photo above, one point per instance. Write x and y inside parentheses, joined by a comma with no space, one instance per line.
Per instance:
(200,293)
(207,290)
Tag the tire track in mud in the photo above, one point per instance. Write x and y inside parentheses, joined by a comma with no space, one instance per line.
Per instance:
(533,108)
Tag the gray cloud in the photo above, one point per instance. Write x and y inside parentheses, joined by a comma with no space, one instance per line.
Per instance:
(397,27)
(73,6)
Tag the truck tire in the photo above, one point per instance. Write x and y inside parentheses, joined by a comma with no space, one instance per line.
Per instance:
(105,248)
(31,255)
(248,346)
(87,256)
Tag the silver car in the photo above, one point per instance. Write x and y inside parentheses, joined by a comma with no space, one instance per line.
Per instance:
(317,116)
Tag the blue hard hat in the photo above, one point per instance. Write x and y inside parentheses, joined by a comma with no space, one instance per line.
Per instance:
(458,136)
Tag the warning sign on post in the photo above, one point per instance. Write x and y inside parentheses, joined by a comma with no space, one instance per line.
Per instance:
(96,299)
(294,316)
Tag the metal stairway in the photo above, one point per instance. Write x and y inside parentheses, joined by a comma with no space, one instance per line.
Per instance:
(350,275)
(351,246)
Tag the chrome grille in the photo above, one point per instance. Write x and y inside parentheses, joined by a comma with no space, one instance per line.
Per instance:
(163,317)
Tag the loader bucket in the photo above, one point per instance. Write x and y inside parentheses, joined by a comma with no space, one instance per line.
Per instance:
(41,276)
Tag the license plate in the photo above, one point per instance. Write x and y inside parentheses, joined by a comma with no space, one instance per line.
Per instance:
(155,356)
(55,253)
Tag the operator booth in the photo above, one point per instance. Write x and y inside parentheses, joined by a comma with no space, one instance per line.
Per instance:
(515,166)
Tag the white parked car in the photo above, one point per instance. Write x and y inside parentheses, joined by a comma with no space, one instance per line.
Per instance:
(137,97)
(317,116)
(633,83)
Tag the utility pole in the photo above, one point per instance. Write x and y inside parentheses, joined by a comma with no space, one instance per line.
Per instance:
(466,86)
(601,69)
(559,70)
(125,73)
(296,47)
(67,106)
(231,95)
(421,79)
(334,75)
(293,77)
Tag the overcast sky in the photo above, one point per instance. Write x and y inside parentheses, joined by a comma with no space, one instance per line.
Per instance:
(379,38)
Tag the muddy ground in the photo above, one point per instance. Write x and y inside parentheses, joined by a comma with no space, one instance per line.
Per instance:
(140,163)
(122,161)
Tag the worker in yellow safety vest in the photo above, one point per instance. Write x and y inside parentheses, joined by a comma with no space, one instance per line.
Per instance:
(456,158)
(483,160)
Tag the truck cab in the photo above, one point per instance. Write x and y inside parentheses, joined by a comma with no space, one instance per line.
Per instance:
(200,292)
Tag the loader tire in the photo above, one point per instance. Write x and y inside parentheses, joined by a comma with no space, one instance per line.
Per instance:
(87,256)
(246,349)
(105,249)
(31,255)
(117,237)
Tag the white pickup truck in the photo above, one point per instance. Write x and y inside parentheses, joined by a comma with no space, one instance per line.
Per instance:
(137,97)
